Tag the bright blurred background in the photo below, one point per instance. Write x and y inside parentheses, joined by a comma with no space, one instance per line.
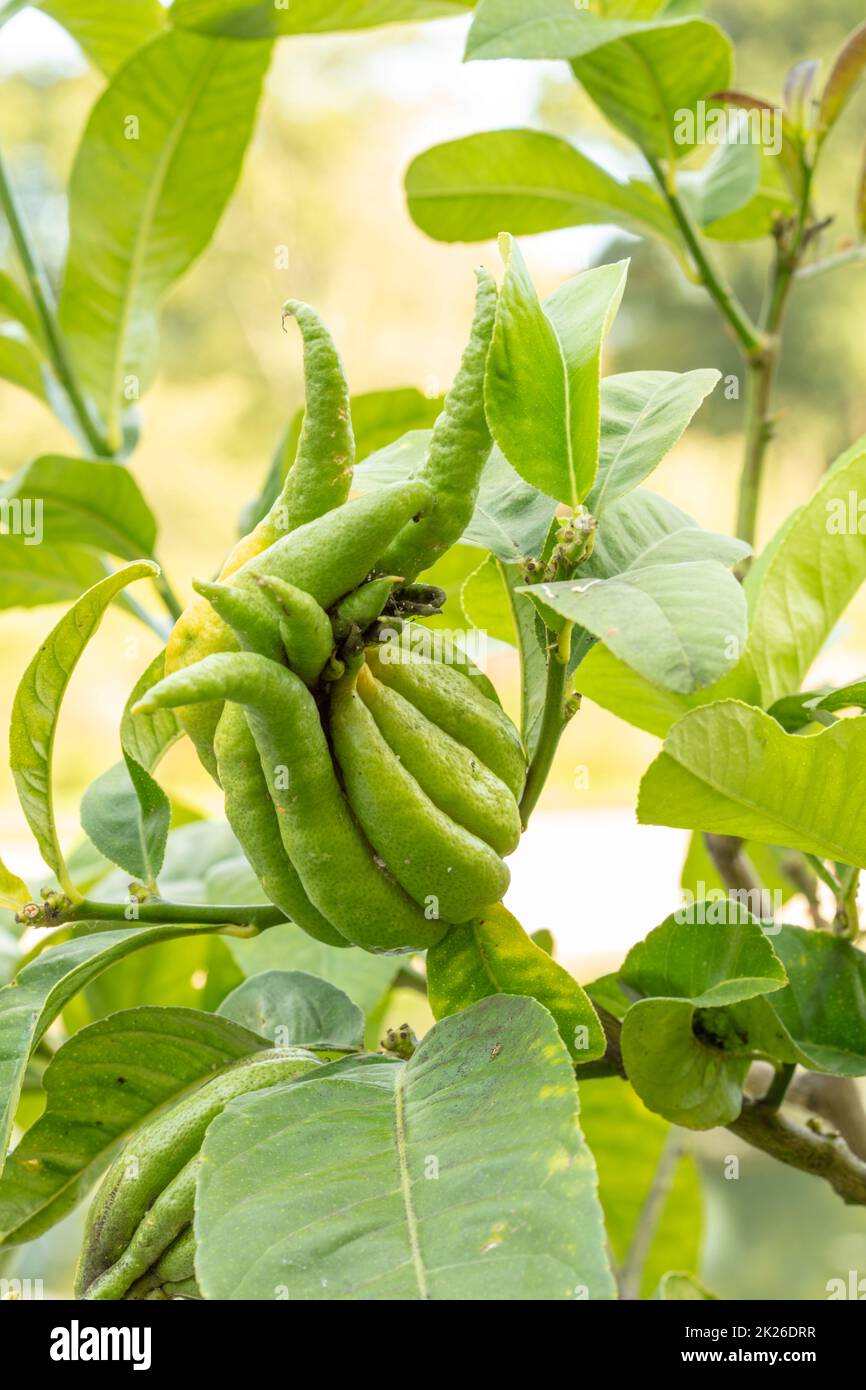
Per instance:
(320,215)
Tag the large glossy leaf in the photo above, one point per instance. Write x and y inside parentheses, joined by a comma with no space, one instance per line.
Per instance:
(526,181)
(643,415)
(731,769)
(643,75)
(108,33)
(461,1174)
(157,163)
(87,502)
(256,19)
(292,1008)
(542,387)
(493,955)
(810,577)
(42,989)
(680,626)
(99,1087)
(37,706)
(627,1142)
(710,963)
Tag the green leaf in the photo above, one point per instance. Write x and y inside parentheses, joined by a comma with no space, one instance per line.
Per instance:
(678,1287)
(524,180)
(511,517)
(643,529)
(87,502)
(37,706)
(643,75)
(99,1087)
(493,955)
(627,1142)
(647,82)
(732,770)
(485,602)
(195,973)
(680,626)
(15,305)
(292,1008)
(810,577)
(728,181)
(14,892)
(618,688)
(109,34)
(42,990)
(758,216)
(643,414)
(21,366)
(127,815)
(679,1075)
(257,19)
(157,163)
(711,963)
(125,812)
(512,1214)
(32,574)
(543,377)
(147,737)
(848,68)
(821,1009)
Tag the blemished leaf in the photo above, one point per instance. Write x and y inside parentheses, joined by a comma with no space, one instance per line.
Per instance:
(542,387)
(258,19)
(848,68)
(821,1008)
(627,1141)
(809,579)
(493,955)
(21,366)
(644,75)
(87,502)
(711,963)
(42,990)
(99,1087)
(643,414)
(470,189)
(32,574)
(732,770)
(292,1008)
(157,163)
(513,1214)
(680,626)
(15,305)
(37,707)
(676,1286)
(108,34)
(14,892)
(685,1078)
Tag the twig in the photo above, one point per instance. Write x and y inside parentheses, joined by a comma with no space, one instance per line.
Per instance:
(824,1156)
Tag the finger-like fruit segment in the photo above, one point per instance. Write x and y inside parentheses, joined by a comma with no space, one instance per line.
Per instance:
(305,628)
(451,700)
(250,813)
(363,606)
(321,475)
(248,614)
(453,777)
(157,1153)
(439,863)
(322,838)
